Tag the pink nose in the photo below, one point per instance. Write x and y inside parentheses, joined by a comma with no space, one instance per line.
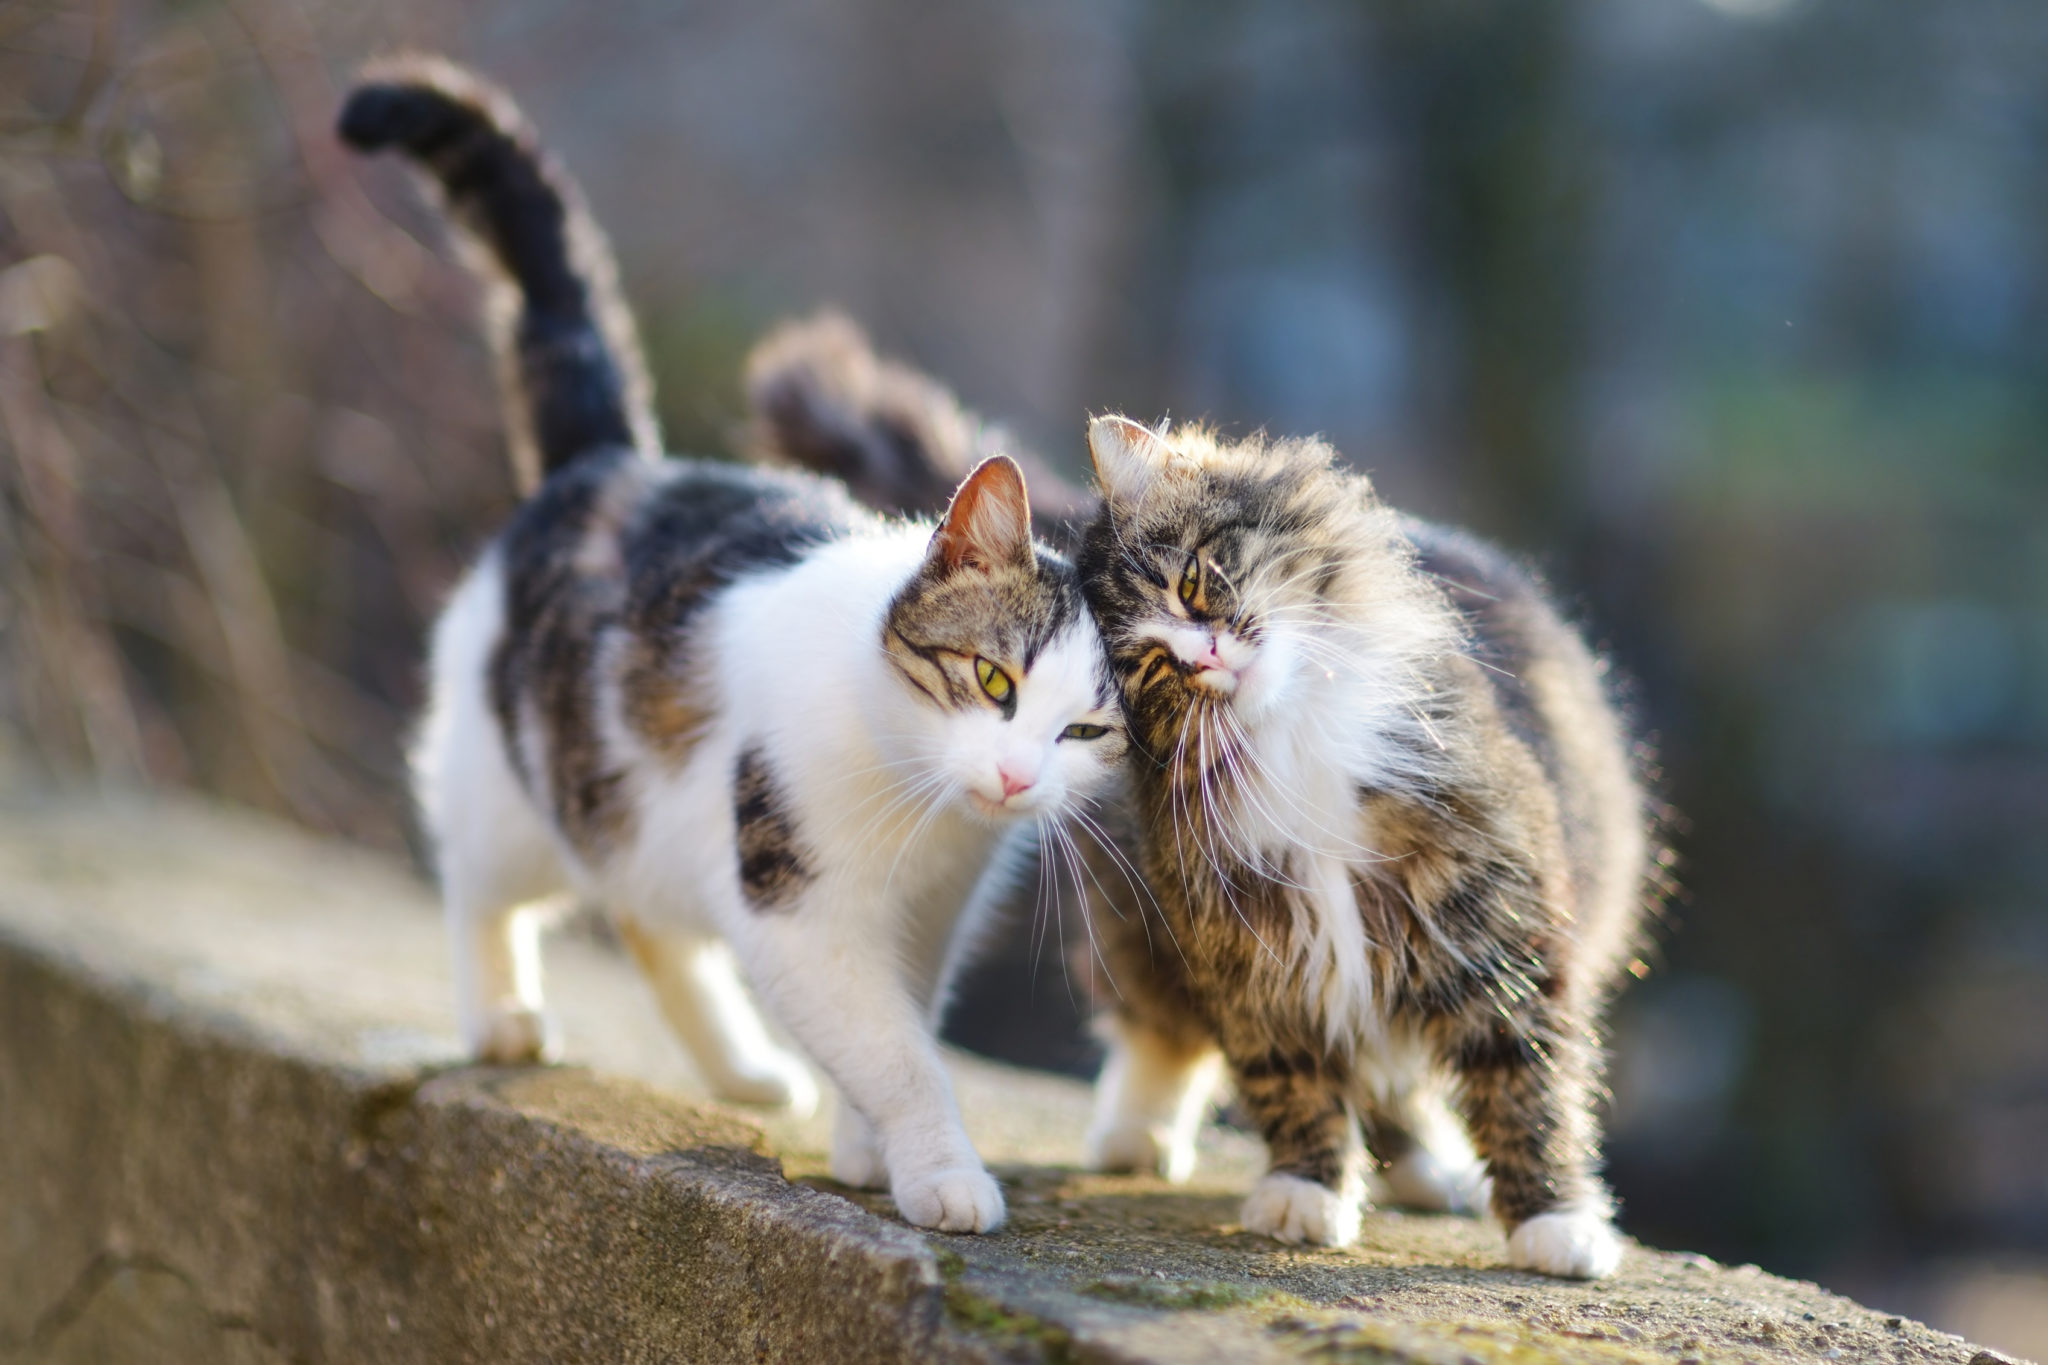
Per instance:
(1012,784)
(1210,659)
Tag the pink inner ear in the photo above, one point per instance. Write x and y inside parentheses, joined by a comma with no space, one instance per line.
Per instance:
(1128,455)
(1140,438)
(989,522)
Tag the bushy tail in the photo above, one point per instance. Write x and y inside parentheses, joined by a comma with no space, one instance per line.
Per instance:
(819,397)
(568,354)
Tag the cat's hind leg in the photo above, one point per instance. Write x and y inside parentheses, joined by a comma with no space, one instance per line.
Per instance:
(1151,1098)
(496,857)
(498,879)
(697,985)
(1425,1160)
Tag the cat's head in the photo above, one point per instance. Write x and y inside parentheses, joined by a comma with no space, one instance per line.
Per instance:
(1239,577)
(1011,699)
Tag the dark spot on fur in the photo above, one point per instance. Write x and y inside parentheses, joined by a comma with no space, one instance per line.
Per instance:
(773,866)
(1278,1063)
(658,699)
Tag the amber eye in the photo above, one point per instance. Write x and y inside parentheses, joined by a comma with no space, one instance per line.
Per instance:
(1084,731)
(993,680)
(1190,580)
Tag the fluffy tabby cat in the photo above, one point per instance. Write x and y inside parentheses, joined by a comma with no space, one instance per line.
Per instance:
(1388,819)
(1391,823)
(751,719)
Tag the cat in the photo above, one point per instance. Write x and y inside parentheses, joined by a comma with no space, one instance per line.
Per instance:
(765,728)
(1394,841)
(1392,824)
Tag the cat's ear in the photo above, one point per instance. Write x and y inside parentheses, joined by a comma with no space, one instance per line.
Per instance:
(989,523)
(1129,457)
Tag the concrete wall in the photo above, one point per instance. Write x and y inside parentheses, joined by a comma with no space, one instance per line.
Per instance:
(234,1128)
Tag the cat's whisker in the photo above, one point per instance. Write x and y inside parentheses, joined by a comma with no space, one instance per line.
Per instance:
(903,800)
(1071,857)
(1132,877)
(1042,905)
(1214,823)
(1139,882)
(941,798)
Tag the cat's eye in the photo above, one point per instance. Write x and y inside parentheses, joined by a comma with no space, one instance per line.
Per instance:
(993,680)
(1190,581)
(1084,731)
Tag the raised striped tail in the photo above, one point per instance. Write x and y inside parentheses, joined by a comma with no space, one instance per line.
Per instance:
(819,397)
(569,357)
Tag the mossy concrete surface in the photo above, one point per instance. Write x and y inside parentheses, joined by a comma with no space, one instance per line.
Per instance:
(234,1127)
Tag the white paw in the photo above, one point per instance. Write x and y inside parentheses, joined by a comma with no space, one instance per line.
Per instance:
(1419,1181)
(963,1199)
(509,1035)
(1291,1209)
(1572,1243)
(856,1161)
(1133,1147)
(775,1081)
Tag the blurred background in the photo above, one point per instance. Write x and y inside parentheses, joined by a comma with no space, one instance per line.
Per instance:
(1732,315)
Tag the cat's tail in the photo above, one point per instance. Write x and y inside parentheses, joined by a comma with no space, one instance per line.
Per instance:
(568,354)
(819,397)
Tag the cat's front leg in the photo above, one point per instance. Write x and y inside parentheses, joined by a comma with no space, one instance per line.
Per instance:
(830,975)
(499,879)
(1314,1188)
(1526,1087)
(1426,1162)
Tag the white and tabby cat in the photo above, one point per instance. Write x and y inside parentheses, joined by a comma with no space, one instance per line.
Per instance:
(751,719)
(1395,847)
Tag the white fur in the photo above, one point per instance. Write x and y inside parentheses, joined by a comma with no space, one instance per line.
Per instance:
(856,1155)
(901,809)
(1318,734)
(1150,1102)
(1572,1241)
(1437,1184)
(1442,1174)
(1288,1208)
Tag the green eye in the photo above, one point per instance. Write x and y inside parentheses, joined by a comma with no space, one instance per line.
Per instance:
(993,680)
(1190,581)
(1084,732)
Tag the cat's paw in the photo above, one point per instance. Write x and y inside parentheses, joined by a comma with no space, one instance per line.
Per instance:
(509,1035)
(774,1081)
(1135,1147)
(856,1160)
(962,1199)
(1291,1209)
(1572,1242)
(1420,1181)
